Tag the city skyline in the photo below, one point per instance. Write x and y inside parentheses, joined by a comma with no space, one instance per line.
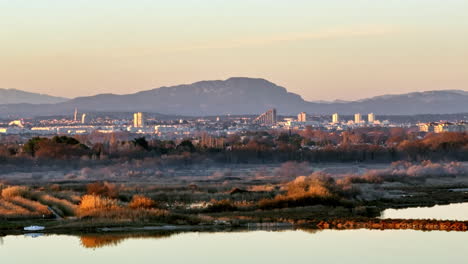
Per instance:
(90,47)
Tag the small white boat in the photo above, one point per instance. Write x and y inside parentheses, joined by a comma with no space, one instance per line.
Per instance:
(34,228)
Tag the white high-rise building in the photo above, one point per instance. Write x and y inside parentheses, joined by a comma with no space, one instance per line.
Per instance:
(75,116)
(138,120)
(357,118)
(371,118)
(267,118)
(335,118)
(302,117)
(83,118)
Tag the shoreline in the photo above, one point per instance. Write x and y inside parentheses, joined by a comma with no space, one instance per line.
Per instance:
(76,226)
(318,225)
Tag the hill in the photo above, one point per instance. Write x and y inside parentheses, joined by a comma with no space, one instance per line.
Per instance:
(245,96)
(13,96)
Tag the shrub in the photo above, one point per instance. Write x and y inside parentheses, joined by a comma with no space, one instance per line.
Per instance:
(106,208)
(221,206)
(319,185)
(14,191)
(103,189)
(92,203)
(140,201)
(318,188)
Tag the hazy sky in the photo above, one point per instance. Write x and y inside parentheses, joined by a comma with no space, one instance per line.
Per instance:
(321,49)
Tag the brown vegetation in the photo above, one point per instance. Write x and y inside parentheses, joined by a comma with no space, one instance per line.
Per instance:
(102,189)
(98,207)
(140,201)
(14,191)
(64,207)
(317,188)
(238,197)
(395,224)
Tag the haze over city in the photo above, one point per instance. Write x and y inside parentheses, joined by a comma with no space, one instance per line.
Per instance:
(351,49)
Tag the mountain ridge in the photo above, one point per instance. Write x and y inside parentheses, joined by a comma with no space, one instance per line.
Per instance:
(241,95)
(15,96)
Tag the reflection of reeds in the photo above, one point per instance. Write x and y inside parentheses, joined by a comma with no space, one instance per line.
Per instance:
(99,241)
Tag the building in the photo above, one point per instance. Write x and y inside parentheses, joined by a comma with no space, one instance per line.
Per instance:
(291,124)
(450,127)
(427,127)
(371,118)
(267,118)
(11,130)
(357,118)
(443,127)
(138,120)
(302,117)
(18,123)
(335,118)
(83,118)
(75,116)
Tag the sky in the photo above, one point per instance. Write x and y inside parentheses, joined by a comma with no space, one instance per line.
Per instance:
(320,49)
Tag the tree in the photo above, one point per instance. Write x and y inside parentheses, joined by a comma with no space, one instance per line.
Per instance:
(141,142)
(186,146)
(32,145)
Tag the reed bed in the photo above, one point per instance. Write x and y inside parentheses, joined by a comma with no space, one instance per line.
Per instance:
(11,210)
(30,205)
(64,206)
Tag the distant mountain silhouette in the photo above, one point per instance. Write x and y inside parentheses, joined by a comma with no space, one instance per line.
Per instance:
(245,96)
(13,96)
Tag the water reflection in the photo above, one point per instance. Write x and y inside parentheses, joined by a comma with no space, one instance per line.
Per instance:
(94,241)
(293,246)
(33,235)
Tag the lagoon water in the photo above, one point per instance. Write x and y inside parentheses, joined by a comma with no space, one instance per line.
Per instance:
(456,211)
(328,246)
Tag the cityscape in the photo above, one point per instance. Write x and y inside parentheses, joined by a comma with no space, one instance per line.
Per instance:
(220,126)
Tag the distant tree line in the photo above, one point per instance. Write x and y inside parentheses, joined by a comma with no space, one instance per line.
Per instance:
(358,145)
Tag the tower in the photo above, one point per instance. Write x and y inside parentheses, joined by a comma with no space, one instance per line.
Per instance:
(371,118)
(357,118)
(302,117)
(75,117)
(335,118)
(138,120)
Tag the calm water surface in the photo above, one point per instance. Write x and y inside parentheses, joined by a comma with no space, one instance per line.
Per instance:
(329,246)
(457,211)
